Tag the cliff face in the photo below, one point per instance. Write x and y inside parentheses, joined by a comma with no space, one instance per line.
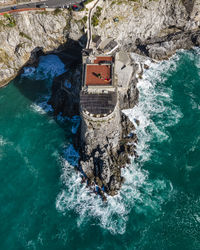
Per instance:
(128,20)
(154,28)
(23,34)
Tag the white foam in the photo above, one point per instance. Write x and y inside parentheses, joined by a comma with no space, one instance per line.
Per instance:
(49,66)
(75,123)
(139,194)
(3,141)
(155,103)
(41,106)
(29,72)
(114,214)
(75,120)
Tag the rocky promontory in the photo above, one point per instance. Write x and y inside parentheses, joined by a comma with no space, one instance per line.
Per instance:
(154,29)
(106,143)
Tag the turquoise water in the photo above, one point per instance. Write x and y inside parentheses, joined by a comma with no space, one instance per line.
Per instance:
(43,204)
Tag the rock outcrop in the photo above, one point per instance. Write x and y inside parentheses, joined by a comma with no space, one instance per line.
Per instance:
(160,48)
(105,143)
(148,27)
(125,21)
(24,34)
(153,28)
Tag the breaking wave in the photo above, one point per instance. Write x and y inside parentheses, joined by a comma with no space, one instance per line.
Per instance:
(2,141)
(139,193)
(49,66)
(155,101)
(42,106)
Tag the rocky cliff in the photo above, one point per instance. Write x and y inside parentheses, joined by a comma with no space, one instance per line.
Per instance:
(127,20)
(130,23)
(154,28)
(24,34)
(104,143)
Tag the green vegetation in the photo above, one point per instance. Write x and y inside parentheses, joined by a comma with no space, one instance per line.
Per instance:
(1,23)
(57,11)
(11,20)
(43,12)
(96,15)
(84,20)
(118,2)
(25,35)
(4,58)
(87,1)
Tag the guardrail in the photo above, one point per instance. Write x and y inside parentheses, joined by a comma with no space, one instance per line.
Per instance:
(7,4)
(21,10)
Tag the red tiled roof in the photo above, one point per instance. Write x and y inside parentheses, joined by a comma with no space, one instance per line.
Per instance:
(103,58)
(93,70)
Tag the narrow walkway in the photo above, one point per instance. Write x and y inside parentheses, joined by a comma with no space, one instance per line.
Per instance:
(89,32)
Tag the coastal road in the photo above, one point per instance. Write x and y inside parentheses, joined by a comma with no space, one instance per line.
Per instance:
(49,3)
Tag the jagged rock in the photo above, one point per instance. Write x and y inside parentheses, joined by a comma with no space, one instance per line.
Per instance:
(154,28)
(44,30)
(32,32)
(163,47)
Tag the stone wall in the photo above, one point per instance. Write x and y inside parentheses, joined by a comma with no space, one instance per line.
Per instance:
(100,131)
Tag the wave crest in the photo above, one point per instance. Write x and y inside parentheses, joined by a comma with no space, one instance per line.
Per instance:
(139,194)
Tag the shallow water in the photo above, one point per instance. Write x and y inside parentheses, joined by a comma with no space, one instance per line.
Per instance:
(43,204)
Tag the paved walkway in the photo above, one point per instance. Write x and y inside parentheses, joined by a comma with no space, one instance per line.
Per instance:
(89,33)
(49,3)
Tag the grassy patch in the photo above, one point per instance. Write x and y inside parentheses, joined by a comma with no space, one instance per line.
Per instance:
(96,15)
(57,11)
(84,20)
(1,23)
(43,12)
(25,35)
(4,58)
(11,21)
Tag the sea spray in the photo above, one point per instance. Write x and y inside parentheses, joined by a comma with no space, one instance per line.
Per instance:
(138,194)
(49,67)
(158,206)
(153,102)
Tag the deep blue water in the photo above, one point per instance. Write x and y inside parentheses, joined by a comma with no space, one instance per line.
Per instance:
(43,204)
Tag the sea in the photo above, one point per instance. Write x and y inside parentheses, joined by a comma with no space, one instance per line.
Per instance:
(44,205)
